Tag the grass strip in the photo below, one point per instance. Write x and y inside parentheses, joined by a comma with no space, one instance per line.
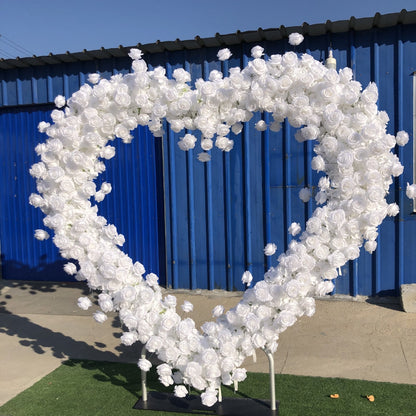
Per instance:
(82,387)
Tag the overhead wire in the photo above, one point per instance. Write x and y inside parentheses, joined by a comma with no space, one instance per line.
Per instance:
(14,45)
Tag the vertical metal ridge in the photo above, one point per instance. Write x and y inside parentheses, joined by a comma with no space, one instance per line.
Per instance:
(227,207)
(228,219)
(208,196)
(174,281)
(308,150)
(4,94)
(400,180)
(19,91)
(34,86)
(210,228)
(50,92)
(266,189)
(247,190)
(351,53)
(286,181)
(375,77)
(191,217)
(66,92)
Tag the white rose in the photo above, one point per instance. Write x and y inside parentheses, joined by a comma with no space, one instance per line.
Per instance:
(324,287)
(100,317)
(247,278)
(187,142)
(84,303)
(223,143)
(224,54)
(128,293)
(239,374)
(209,397)
(181,75)
(337,259)
(60,101)
(169,320)
(345,159)
(305,194)
(41,235)
(70,268)
(295,39)
(42,126)
(411,191)
(206,144)
(187,306)
(154,343)
(257,52)
(392,210)
(130,321)
(193,369)
(218,311)
(270,249)
(204,157)
(252,322)
(321,252)
(144,365)
(294,228)
(402,138)
(351,252)
(105,302)
(370,246)
(135,53)
(318,163)
(181,391)
(261,125)
(313,225)
(237,128)
(129,338)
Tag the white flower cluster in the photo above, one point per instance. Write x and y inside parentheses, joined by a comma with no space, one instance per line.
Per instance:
(327,106)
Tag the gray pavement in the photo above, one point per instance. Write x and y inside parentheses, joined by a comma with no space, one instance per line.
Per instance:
(41,325)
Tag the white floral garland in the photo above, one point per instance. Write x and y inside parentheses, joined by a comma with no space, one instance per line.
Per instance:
(352,148)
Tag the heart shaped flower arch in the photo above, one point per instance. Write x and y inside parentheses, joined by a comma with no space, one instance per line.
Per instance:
(353,149)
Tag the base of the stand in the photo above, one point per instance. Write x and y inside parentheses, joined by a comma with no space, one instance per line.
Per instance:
(229,406)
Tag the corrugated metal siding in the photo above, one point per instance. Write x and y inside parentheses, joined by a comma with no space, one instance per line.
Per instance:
(133,205)
(219,216)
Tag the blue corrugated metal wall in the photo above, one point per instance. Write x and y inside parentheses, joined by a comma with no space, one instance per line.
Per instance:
(219,216)
(133,205)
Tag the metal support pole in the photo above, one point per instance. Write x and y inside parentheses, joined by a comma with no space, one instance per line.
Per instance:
(143,375)
(219,394)
(272,380)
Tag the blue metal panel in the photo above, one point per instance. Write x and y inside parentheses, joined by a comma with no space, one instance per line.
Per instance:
(216,217)
(133,205)
(262,175)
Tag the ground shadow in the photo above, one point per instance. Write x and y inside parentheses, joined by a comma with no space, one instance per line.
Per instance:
(43,340)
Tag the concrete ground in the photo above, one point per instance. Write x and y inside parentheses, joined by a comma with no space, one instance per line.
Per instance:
(41,325)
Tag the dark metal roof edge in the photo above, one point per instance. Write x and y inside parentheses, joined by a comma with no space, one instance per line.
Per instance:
(219,40)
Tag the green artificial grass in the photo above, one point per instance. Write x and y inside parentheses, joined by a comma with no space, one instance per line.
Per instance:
(80,387)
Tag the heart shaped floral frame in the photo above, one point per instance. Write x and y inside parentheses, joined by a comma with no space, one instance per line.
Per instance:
(327,106)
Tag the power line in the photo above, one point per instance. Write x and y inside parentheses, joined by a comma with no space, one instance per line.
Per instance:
(6,54)
(11,44)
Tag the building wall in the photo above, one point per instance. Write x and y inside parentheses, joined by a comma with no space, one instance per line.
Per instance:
(214,219)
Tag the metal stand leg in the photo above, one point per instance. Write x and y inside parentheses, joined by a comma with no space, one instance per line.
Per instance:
(219,394)
(143,375)
(272,380)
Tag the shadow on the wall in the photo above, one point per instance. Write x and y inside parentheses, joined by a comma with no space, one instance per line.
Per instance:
(44,271)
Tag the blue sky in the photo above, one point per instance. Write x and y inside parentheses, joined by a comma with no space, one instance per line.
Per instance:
(44,26)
